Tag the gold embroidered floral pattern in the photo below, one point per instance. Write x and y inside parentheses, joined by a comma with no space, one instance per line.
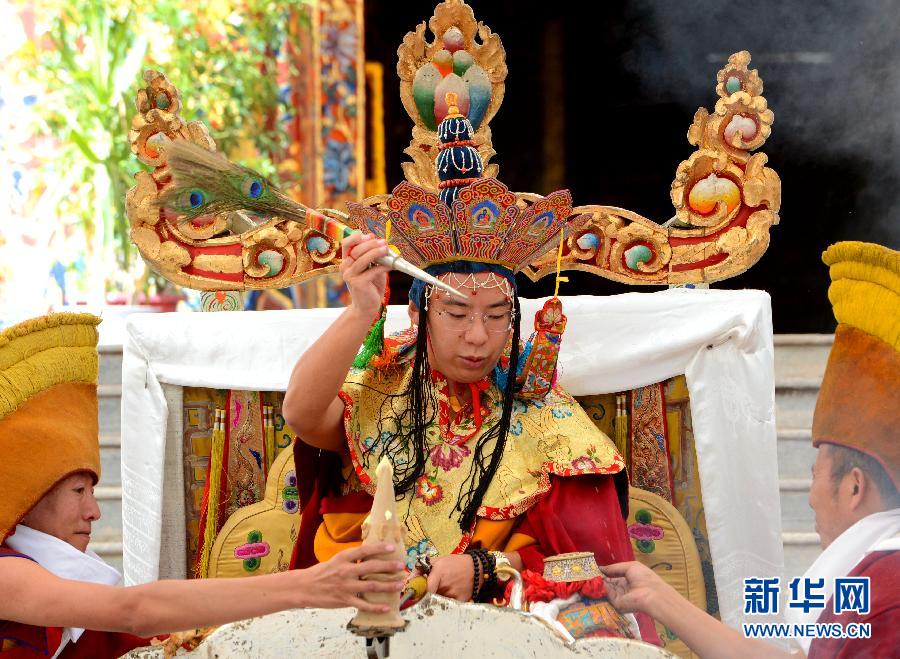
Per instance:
(548,436)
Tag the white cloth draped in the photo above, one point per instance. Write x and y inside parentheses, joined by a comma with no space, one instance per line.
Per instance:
(876,532)
(720,340)
(64,561)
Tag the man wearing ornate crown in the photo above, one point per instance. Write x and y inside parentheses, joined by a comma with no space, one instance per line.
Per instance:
(855,492)
(59,598)
(494,462)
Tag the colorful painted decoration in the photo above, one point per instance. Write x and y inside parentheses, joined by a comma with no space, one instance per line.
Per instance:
(422,224)
(458,162)
(479,94)
(636,255)
(450,84)
(453,39)
(421,217)
(739,130)
(725,197)
(253,551)
(588,241)
(336,69)
(593,617)
(424,84)
(271,259)
(220,301)
(708,192)
(443,61)
(318,244)
(484,215)
(462,60)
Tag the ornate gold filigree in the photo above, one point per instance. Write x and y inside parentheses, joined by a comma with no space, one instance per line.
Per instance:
(726,200)
(212,254)
(416,51)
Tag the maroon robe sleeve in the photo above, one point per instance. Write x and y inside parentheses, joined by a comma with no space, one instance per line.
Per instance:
(318,477)
(99,645)
(581,513)
(883,570)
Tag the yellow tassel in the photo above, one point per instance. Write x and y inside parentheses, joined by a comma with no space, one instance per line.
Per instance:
(387,238)
(216,457)
(49,321)
(863,253)
(269,430)
(621,425)
(559,277)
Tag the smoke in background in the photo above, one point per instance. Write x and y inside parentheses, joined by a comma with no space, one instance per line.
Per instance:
(600,95)
(831,72)
(832,75)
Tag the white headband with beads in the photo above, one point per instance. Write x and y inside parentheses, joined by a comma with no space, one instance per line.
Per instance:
(469,280)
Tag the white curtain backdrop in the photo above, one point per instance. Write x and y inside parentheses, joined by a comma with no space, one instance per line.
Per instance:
(720,340)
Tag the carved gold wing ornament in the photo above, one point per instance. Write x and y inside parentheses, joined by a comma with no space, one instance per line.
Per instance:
(228,252)
(725,198)
(725,201)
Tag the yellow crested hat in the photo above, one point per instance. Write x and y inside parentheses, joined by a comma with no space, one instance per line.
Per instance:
(48,408)
(859,402)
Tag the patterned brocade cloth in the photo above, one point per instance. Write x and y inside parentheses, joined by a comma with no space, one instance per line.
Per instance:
(549,436)
(560,487)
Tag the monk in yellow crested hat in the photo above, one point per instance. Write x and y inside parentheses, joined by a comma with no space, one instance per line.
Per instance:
(58,597)
(859,402)
(855,491)
(48,409)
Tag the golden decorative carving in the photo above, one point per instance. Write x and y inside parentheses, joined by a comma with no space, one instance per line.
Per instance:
(724,196)
(211,254)
(725,199)
(416,51)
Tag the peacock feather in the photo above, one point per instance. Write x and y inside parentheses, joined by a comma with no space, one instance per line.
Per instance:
(205,182)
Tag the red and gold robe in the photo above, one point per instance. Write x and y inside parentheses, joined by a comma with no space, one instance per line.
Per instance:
(560,486)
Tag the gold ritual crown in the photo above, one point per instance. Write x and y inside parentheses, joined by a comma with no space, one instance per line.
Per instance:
(451,204)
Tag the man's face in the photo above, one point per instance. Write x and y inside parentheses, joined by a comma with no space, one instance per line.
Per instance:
(67,511)
(467,337)
(828,499)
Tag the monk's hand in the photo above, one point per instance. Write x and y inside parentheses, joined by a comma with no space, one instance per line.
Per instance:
(365,278)
(451,576)
(633,586)
(339,582)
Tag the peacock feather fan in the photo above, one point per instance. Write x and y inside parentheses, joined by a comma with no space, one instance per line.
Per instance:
(205,182)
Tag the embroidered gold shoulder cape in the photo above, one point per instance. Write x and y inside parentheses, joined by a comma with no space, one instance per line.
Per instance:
(549,436)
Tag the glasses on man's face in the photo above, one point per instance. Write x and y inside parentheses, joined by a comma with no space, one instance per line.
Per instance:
(461,320)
